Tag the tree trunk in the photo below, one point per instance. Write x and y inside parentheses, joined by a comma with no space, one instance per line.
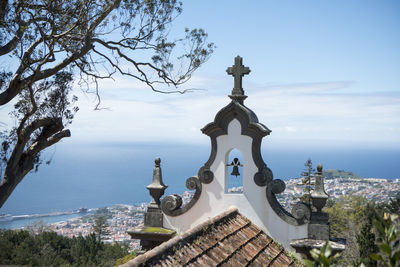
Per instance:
(12,178)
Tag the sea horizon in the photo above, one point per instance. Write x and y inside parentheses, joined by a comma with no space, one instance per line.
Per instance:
(9,221)
(95,176)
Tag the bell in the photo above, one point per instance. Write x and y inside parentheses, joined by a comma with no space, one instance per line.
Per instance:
(235,170)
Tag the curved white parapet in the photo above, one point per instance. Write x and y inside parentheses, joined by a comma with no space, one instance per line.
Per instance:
(252,203)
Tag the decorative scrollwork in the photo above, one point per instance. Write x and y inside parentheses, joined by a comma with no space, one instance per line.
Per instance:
(259,179)
(262,177)
(172,205)
(206,176)
(302,212)
(191,183)
(276,187)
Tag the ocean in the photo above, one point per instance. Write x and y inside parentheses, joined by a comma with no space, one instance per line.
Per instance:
(99,175)
(25,222)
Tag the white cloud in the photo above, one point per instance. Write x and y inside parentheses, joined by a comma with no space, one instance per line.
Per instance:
(315,112)
(323,113)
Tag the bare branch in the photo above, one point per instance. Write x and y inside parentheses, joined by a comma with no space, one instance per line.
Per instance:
(51,71)
(12,44)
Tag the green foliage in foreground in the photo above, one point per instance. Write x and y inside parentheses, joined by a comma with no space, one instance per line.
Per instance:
(323,257)
(388,254)
(389,251)
(19,247)
(371,230)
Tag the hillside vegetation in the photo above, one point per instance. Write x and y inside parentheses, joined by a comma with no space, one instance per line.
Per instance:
(331,174)
(20,247)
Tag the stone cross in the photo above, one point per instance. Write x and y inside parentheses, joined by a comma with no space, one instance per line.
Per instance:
(238,71)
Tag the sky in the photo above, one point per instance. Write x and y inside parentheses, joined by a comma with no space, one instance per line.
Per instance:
(325,75)
(322,73)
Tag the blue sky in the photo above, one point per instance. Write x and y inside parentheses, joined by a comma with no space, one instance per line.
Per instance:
(325,75)
(322,73)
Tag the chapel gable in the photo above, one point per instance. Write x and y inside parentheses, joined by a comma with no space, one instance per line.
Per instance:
(236,128)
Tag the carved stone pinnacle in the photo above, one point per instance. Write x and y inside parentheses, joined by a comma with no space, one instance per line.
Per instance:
(157,186)
(238,71)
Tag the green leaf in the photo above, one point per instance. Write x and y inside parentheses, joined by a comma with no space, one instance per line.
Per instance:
(386,248)
(315,253)
(378,225)
(328,250)
(392,262)
(392,233)
(325,261)
(376,257)
(396,256)
(309,263)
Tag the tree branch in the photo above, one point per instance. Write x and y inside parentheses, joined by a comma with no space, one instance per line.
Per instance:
(38,146)
(13,176)
(15,86)
(26,135)
(103,15)
(27,115)
(12,44)
(3,10)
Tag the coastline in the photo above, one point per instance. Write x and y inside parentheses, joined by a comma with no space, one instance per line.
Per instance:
(23,221)
(375,189)
(8,221)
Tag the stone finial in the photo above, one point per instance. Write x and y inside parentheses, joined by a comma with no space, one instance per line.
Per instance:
(319,196)
(318,228)
(152,233)
(238,71)
(157,187)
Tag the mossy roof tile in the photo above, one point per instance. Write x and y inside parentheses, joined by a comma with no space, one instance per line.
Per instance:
(229,239)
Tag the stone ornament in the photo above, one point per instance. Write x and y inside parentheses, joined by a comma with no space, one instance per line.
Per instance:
(261,178)
(238,71)
(302,212)
(319,196)
(205,175)
(172,205)
(157,187)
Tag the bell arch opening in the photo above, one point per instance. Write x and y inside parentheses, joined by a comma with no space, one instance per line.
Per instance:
(234,172)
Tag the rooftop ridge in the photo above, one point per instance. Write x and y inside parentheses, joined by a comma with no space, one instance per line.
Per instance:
(157,251)
(228,239)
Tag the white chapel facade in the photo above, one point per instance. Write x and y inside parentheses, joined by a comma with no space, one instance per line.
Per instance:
(237,127)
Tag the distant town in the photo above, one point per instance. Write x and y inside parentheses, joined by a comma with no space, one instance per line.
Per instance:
(120,218)
(374,189)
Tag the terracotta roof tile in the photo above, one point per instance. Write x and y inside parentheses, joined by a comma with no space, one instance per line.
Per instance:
(229,239)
